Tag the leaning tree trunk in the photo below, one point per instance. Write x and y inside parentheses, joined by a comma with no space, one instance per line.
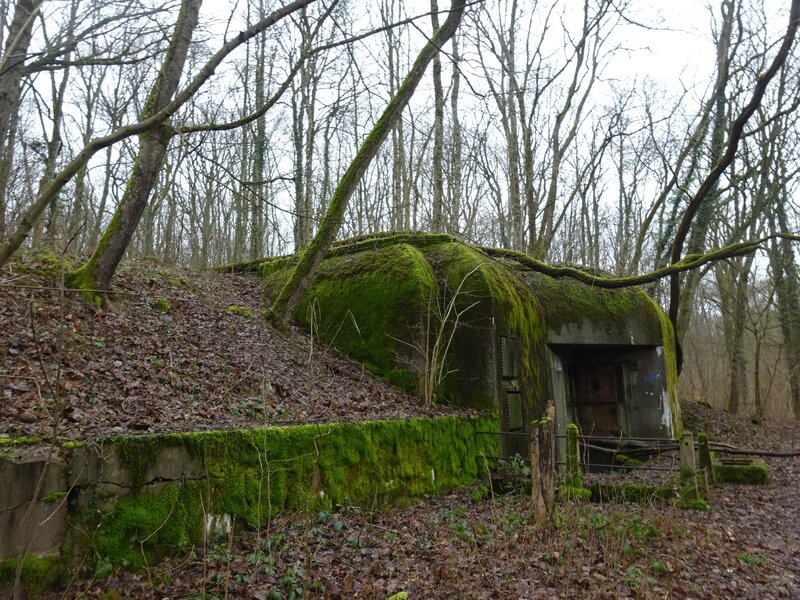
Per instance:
(97,272)
(709,184)
(289,297)
(65,175)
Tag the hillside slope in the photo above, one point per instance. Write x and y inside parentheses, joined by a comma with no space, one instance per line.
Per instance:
(180,351)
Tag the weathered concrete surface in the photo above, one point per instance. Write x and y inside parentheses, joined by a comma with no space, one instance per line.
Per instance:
(37,527)
(175,489)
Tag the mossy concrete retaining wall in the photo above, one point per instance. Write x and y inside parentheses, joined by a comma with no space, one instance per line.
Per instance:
(125,500)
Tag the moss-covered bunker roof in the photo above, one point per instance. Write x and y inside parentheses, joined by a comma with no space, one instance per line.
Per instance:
(562,300)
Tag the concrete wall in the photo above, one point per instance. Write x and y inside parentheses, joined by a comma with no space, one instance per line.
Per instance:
(185,486)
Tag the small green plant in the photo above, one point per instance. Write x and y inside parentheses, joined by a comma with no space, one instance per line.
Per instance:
(633,577)
(511,521)
(658,567)
(457,524)
(162,305)
(751,559)
(520,466)
(480,493)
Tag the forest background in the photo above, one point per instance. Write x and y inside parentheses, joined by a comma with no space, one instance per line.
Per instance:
(575,132)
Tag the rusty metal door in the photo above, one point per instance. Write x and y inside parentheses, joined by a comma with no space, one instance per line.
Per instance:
(596,399)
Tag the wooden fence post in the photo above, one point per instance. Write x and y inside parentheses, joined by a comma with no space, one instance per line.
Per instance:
(688,463)
(543,489)
(690,495)
(706,464)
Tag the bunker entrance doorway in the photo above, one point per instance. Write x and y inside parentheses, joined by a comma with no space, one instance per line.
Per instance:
(611,391)
(597,392)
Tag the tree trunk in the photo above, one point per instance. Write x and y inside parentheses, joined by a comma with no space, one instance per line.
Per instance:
(702,220)
(12,68)
(455,153)
(437,211)
(289,297)
(97,272)
(787,294)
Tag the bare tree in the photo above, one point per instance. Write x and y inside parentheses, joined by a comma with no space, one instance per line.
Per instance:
(289,298)
(60,179)
(12,68)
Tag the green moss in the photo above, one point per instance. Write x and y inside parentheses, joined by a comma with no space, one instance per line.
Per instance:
(44,262)
(53,497)
(146,525)
(138,454)
(162,305)
(367,303)
(692,504)
(84,278)
(255,474)
(627,460)
(24,440)
(179,281)
(272,266)
(566,301)
(754,473)
(480,493)
(670,366)
(573,473)
(568,492)
(493,298)
(403,379)
(689,494)
(242,311)
(38,574)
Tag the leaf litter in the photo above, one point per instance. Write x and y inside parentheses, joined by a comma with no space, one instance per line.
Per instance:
(146,368)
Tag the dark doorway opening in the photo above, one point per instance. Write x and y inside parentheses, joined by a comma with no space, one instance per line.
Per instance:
(597,395)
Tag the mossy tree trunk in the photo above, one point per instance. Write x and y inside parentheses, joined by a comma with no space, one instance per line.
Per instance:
(289,297)
(709,184)
(787,293)
(702,221)
(97,272)
(437,218)
(142,127)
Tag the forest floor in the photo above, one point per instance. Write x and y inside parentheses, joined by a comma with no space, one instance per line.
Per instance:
(179,351)
(171,356)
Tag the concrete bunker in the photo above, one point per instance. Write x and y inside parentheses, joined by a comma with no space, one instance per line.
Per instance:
(517,341)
